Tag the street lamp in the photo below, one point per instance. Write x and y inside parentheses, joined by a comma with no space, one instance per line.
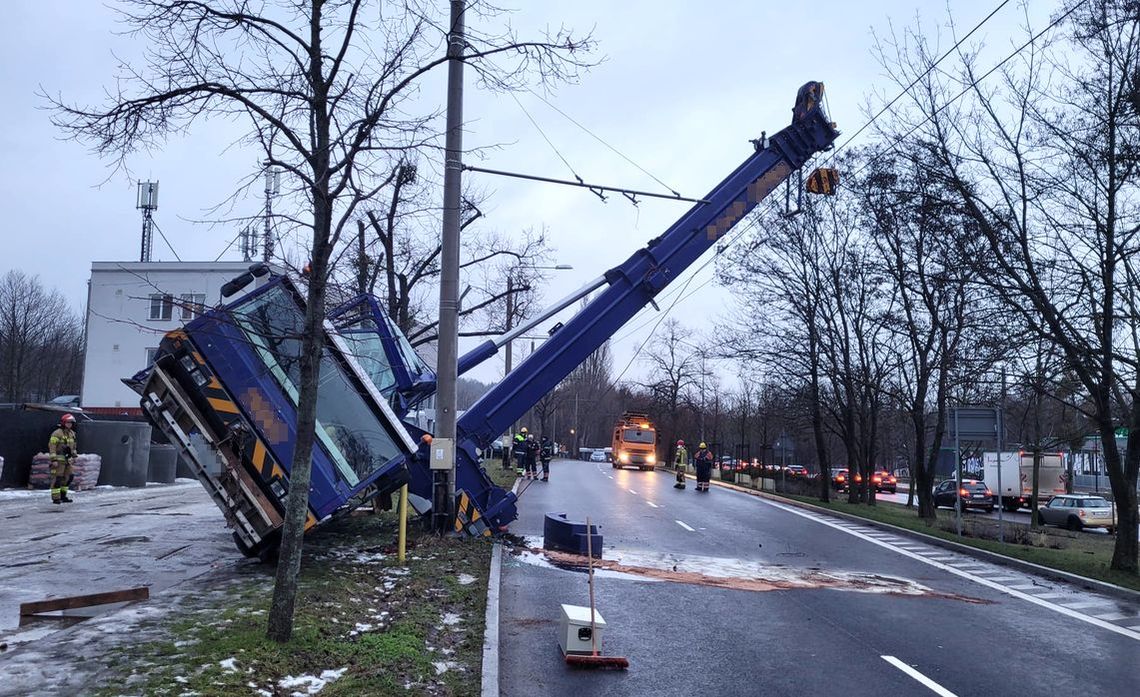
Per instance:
(510,300)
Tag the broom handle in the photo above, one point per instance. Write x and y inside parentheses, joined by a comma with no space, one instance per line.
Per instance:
(590,565)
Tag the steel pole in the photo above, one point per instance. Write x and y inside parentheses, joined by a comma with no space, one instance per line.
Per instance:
(447,366)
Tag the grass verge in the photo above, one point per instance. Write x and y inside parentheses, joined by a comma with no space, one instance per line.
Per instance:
(1084,554)
(363,623)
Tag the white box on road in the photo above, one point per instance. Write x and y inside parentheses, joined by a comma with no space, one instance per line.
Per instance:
(574,630)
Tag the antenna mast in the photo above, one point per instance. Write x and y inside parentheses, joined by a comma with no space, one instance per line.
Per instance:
(272,188)
(147,203)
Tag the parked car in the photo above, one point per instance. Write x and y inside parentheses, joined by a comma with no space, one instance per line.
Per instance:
(971,493)
(840,478)
(65,400)
(885,481)
(1078,511)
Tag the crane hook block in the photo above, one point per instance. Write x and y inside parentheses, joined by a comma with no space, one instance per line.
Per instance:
(823,180)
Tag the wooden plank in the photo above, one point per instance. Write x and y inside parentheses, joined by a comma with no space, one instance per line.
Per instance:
(76,601)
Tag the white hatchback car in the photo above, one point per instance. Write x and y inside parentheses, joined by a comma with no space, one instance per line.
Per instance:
(1078,511)
(598,456)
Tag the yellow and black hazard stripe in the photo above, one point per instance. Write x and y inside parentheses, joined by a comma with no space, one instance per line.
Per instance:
(824,180)
(263,462)
(468,519)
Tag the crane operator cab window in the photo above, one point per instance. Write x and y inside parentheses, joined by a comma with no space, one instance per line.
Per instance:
(356,433)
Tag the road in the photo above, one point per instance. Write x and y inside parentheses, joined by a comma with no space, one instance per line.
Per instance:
(948,625)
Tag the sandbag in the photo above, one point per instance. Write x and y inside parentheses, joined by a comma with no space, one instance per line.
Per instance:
(85,469)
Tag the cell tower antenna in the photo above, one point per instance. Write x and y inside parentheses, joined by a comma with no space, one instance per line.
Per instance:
(148,204)
(272,188)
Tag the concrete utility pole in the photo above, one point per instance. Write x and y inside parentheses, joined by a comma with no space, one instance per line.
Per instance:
(442,457)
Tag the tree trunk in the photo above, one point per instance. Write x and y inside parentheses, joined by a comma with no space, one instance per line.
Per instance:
(280,627)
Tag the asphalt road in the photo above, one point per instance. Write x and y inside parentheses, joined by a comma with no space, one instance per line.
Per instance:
(971,628)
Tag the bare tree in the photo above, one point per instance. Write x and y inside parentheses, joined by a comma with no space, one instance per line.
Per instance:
(1045,167)
(397,256)
(922,241)
(325,88)
(41,341)
(674,367)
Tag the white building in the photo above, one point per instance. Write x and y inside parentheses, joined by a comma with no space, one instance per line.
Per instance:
(130,306)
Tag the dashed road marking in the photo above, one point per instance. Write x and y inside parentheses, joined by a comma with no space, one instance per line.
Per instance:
(652,504)
(933,686)
(632,491)
(682,524)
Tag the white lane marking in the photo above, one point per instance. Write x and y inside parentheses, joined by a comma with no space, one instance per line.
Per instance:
(1086,603)
(1130,632)
(682,524)
(1024,587)
(652,504)
(1050,596)
(1113,616)
(1135,627)
(610,476)
(934,687)
(632,491)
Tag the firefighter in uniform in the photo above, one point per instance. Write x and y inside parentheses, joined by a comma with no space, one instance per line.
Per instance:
(518,450)
(680,463)
(63,448)
(703,461)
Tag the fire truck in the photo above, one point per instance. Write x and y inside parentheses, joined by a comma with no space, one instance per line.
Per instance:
(635,441)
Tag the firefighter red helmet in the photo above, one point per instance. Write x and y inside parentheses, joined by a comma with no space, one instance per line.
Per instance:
(680,442)
(67,419)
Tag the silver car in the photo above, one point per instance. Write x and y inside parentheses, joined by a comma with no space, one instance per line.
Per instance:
(1079,511)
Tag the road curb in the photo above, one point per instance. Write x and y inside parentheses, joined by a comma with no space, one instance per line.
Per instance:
(984,554)
(490,686)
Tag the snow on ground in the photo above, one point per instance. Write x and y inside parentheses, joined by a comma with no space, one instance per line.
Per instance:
(6,494)
(450,619)
(466,579)
(310,684)
(229,665)
(442,667)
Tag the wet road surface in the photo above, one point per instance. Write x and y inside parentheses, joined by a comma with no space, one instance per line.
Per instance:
(972,627)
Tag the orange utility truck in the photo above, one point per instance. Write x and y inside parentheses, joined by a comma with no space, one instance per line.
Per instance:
(635,441)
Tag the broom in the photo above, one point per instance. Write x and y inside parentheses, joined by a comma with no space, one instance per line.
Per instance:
(594,660)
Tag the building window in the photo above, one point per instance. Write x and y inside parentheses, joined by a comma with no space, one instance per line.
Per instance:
(151,354)
(161,306)
(192,305)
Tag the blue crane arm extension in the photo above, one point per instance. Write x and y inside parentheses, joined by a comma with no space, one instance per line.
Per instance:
(633,284)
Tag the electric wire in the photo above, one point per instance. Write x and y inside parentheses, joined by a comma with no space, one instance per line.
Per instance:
(603,142)
(916,80)
(544,136)
(972,85)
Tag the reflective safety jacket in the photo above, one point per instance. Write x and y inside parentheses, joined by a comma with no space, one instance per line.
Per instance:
(62,445)
(682,458)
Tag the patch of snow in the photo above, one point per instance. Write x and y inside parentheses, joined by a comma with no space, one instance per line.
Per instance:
(442,667)
(450,619)
(229,665)
(181,680)
(311,684)
(466,579)
(20,493)
(398,571)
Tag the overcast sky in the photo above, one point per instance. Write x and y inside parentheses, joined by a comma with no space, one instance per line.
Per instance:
(682,88)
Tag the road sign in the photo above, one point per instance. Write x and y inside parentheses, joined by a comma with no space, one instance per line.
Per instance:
(973,423)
